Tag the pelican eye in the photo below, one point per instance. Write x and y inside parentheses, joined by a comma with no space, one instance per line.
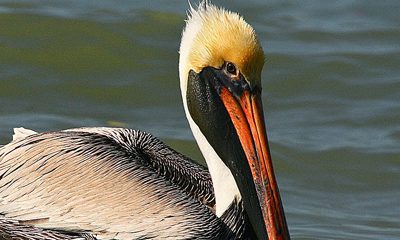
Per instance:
(231,68)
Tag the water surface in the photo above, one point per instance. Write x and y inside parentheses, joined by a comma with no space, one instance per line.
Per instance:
(331,93)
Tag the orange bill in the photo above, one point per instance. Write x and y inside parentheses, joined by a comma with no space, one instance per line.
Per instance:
(247,117)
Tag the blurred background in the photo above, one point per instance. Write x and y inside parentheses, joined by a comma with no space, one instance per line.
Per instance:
(331,92)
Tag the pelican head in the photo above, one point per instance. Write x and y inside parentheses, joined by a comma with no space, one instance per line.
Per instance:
(220,68)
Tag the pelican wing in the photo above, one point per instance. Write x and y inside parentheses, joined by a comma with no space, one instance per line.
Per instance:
(113,183)
(13,230)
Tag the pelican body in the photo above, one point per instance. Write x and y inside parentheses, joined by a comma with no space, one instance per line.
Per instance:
(115,183)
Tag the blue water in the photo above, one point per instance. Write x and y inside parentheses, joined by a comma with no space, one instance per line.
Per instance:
(331,91)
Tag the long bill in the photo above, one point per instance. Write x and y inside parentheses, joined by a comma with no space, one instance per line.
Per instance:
(245,111)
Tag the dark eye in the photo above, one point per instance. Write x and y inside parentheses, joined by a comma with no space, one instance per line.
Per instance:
(230,68)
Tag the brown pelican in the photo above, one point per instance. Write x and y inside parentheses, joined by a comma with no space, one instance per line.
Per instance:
(114,183)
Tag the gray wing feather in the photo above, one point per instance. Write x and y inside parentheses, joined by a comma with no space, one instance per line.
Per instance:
(112,183)
(13,230)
